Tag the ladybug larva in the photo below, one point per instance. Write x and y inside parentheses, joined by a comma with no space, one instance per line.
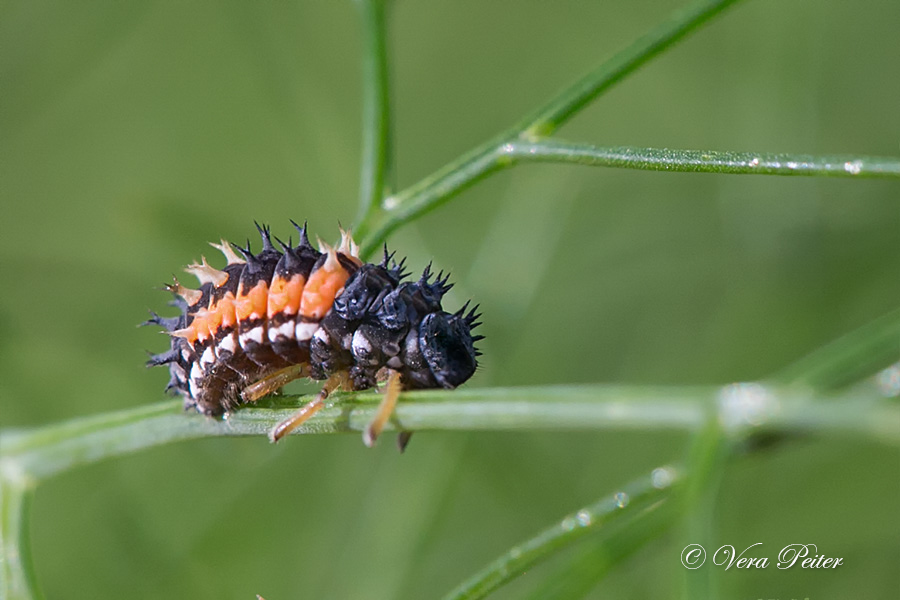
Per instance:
(269,318)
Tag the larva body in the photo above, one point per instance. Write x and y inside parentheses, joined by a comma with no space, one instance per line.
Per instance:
(311,313)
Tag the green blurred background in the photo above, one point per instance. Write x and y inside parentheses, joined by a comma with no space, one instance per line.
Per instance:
(131,133)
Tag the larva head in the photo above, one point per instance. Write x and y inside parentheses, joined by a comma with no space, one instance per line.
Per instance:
(447,345)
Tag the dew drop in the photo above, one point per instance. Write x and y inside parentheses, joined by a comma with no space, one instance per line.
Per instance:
(754,162)
(853,167)
(515,553)
(889,381)
(583,517)
(661,477)
(743,404)
(507,148)
(568,524)
(621,499)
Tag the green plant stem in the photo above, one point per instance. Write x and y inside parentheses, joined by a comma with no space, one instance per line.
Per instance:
(707,457)
(17,576)
(40,453)
(576,577)
(701,161)
(645,495)
(376,164)
(438,187)
(432,191)
(850,357)
(427,194)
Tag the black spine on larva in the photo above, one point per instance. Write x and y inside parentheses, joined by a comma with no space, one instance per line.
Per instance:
(178,356)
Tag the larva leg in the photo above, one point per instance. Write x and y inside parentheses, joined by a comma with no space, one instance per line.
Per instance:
(335,381)
(385,409)
(273,382)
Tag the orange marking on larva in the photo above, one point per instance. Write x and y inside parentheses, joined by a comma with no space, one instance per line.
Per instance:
(320,291)
(252,304)
(200,328)
(285,294)
(259,295)
(225,308)
(214,318)
(243,306)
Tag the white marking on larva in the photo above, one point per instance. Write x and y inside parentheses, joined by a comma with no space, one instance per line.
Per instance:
(208,357)
(226,345)
(178,370)
(361,346)
(322,336)
(395,362)
(346,341)
(194,388)
(196,374)
(285,331)
(413,356)
(255,335)
(305,331)
(412,344)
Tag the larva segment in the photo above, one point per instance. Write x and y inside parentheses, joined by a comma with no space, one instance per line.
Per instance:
(218,367)
(285,296)
(200,327)
(325,282)
(223,301)
(251,302)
